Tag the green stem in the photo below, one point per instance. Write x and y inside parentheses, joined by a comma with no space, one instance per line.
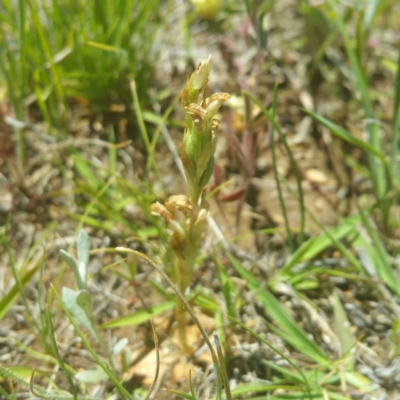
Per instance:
(184,269)
(180,316)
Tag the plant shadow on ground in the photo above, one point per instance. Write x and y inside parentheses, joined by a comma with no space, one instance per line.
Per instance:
(304,299)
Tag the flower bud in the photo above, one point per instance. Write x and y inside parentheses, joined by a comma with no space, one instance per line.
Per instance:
(194,88)
(161,211)
(199,77)
(199,140)
(213,103)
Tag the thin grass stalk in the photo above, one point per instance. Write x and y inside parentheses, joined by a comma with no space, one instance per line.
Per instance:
(384,203)
(156,345)
(378,180)
(41,103)
(139,116)
(91,205)
(192,392)
(383,266)
(7,72)
(142,127)
(160,127)
(20,148)
(276,175)
(225,287)
(347,254)
(10,73)
(273,348)
(13,377)
(43,301)
(65,371)
(56,81)
(23,43)
(8,299)
(32,321)
(112,152)
(23,80)
(10,375)
(395,122)
(348,137)
(221,361)
(288,327)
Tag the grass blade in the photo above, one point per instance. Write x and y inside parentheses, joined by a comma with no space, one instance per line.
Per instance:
(316,245)
(342,325)
(361,84)
(258,337)
(292,332)
(7,301)
(380,257)
(140,316)
(276,175)
(395,122)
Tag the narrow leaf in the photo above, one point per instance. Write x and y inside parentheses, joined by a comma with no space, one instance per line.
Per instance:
(141,316)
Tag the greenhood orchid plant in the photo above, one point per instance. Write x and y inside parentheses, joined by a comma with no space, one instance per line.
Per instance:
(185,216)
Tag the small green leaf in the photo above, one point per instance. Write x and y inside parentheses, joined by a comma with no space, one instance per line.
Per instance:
(83,253)
(92,376)
(359,381)
(7,301)
(342,326)
(140,316)
(73,264)
(317,244)
(181,394)
(119,346)
(79,305)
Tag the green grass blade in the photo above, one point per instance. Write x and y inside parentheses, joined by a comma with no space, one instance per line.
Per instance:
(342,325)
(140,316)
(303,379)
(312,247)
(343,249)
(362,85)
(57,354)
(360,80)
(293,333)
(288,375)
(380,258)
(228,288)
(395,121)
(8,300)
(138,112)
(277,178)
(348,137)
(181,394)
(45,45)
(255,387)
